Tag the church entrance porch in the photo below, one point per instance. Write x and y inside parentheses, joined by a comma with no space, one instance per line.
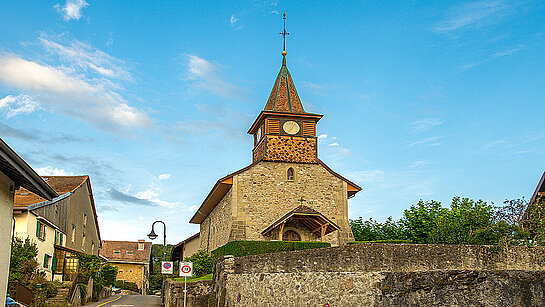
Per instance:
(300,219)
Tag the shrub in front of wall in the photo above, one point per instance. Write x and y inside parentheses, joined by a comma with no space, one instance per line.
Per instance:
(246,248)
(380,241)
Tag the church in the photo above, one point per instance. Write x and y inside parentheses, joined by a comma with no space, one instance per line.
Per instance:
(287,193)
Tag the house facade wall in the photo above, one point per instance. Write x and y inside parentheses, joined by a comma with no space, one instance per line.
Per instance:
(215,229)
(132,272)
(25,227)
(6,211)
(192,247)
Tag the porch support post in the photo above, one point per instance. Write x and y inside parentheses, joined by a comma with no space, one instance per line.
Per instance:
(324,228)
(281,231)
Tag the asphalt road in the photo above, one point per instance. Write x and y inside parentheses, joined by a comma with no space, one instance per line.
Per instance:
(129,301)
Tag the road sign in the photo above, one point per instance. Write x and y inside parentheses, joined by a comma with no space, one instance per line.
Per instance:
(166,267)
(186,269)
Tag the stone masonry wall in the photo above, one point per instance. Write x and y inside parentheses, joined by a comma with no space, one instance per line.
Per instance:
(198,293)
(220,220)
(385,275)
(131,272)
(264,195)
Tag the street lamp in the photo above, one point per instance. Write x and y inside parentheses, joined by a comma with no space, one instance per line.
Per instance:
(152,235)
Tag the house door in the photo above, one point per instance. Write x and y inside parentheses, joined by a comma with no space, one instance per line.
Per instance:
(291,235)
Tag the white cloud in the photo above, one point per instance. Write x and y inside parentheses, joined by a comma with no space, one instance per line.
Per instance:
(152,195)
(322,137)
(425,124)
(20,104)
(71,9)
(68,92)
(50,171)
(204,75)
(334,144)
(474,15)
(164,176)
(84,57)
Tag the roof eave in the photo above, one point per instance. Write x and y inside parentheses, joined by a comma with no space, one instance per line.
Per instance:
(261,116)
(540,186)
(37,184)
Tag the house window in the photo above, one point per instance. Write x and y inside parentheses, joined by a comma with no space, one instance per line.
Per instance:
(84,219)
(47,259)
(92,247)
(40,230)
(83,243)
(56,238)
(291,174)
(56,208)
(129,252)
(73,233)
(117,252)
(140,246)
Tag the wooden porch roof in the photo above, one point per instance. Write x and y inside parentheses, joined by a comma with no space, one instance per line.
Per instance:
(309,217)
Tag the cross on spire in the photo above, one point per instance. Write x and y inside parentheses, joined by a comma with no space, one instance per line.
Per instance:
(284,33)
(301,200)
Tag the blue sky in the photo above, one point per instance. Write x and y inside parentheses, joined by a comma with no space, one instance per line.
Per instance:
(153,99)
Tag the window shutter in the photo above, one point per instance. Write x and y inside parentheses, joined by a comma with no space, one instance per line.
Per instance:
(45,260)
(61,239)
(38,229)
(55,238)
(44,231)
(54,264)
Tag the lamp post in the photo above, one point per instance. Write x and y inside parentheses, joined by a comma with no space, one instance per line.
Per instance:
(152,235)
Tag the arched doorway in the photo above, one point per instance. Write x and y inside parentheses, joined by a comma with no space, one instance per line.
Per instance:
(291,235)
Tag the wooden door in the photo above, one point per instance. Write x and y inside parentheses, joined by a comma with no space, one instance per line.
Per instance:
(291,235)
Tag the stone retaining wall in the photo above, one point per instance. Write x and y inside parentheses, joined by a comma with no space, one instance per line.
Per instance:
(198,293)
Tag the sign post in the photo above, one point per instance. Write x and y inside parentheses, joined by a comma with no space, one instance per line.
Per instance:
(186,270)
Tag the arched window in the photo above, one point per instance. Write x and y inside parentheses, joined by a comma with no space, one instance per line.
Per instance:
(291,175)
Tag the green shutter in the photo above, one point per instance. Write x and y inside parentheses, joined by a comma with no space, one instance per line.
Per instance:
(55,239)
(45,260)
(54,264)
(61,239)
(38,229)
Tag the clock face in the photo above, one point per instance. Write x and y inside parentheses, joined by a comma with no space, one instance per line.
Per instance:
(291,127)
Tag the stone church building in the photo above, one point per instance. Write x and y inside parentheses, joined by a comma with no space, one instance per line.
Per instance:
(287,193)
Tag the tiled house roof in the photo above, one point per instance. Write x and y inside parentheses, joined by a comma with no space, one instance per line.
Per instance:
(125,251)
(61,185)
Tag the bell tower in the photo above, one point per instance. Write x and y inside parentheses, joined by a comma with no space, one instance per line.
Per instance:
(283,131)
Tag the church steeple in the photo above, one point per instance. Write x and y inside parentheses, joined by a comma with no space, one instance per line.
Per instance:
(283,131)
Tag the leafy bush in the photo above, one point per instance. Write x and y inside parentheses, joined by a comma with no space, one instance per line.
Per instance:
(82,292)
(245,248)
(379,241)
(202,263)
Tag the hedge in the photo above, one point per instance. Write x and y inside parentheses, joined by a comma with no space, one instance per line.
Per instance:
(245,248)
(379,241)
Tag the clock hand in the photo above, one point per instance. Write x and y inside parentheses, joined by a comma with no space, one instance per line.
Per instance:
(292,125)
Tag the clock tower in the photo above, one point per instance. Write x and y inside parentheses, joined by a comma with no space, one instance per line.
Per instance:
(283,131)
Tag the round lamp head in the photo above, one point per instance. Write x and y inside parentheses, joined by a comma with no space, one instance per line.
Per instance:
(152,235)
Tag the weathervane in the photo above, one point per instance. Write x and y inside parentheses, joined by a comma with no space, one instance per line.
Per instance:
(284,33)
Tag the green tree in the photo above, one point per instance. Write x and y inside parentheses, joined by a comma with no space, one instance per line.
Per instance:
(421,219)
(23,264)
(108,273)
(372,230)
(467,222)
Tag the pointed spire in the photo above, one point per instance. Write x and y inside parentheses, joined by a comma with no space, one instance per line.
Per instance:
(284,97)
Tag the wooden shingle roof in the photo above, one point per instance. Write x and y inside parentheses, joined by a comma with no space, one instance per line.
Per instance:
(134,255)
(61,185)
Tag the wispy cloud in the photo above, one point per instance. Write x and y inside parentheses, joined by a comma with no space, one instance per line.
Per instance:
(431,141)
(425,124)
(495,55)
(163,176)
(235,24)
(71,9)
(35,135)
(474,15)
(124,197)
(205,76)
(85,57)
(74,90)
(20,104)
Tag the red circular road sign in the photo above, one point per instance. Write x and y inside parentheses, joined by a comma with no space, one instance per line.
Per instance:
(326,305)
(186,269)
(166,265)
